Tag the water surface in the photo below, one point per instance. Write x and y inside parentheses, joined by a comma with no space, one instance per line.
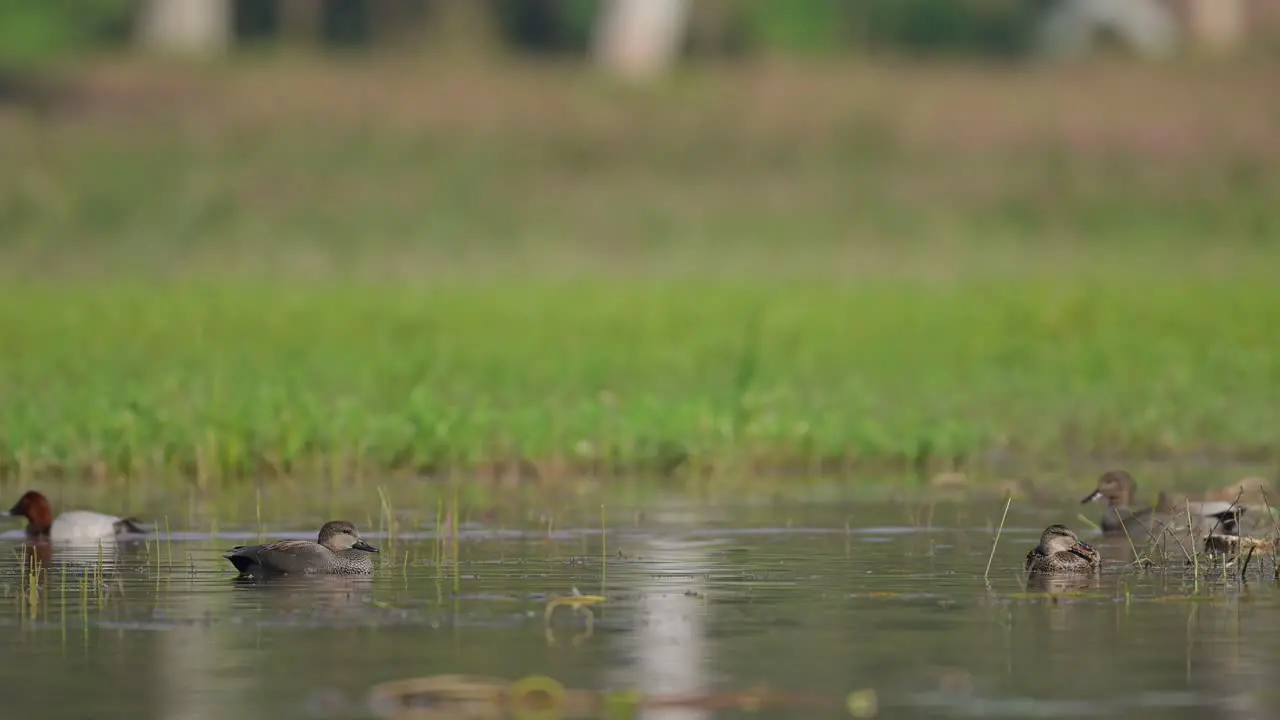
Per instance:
(815,602)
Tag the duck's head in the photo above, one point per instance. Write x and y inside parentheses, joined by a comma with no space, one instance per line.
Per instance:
(33,506)
(339,535)
(1059,539)
(1116,486)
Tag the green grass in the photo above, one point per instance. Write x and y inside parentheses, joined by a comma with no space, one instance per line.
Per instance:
(234,381)
(748,271)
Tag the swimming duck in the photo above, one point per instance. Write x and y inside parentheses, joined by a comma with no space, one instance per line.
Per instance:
(69,526)
(338,550)
(1118,487)
(1061,551)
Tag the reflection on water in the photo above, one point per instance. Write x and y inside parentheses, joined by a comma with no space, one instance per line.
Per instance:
(198,661)
(701,612)
(668,641)
(1063,583)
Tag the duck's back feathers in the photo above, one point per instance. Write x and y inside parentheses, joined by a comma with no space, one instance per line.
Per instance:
(88,525)
(1061,562)
(1032,556)
(282,556)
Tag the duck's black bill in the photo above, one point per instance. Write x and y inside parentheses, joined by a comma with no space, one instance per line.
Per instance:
(1084,550)
(362,545)
(1095,495)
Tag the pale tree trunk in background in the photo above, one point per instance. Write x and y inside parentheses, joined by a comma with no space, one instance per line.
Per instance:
(1217,25)
(1072,27)
(640,38)
(186,27)
(301,21)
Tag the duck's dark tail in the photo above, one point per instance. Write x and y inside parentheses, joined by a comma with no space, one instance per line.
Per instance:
(243,563)
(1228,520)
(130,525)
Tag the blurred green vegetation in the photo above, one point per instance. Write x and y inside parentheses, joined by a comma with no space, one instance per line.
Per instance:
(223,381)
(520,261)
(978,27)
(36,34)
(822,25)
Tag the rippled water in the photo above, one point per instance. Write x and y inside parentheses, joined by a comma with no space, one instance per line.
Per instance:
(699,610)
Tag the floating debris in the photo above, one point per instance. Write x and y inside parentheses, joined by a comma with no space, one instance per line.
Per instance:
(581,605)
(542,697)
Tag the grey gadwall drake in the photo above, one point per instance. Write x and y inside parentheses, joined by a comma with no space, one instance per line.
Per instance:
(1118,487)
(337,551)
(1061,551)
(73,526)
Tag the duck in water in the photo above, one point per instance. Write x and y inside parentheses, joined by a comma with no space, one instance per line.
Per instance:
(1118,487)
(71,526)
(1061,551)
(338,550)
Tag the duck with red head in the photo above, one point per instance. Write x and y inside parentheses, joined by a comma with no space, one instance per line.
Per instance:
(69,526)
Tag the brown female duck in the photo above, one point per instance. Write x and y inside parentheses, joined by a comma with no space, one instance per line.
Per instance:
(1061,551)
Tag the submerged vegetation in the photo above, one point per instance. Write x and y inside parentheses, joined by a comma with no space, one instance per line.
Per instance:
(537,270)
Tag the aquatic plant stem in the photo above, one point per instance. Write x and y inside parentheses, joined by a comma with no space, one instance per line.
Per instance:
(387,520)
(457,579)
(1275,538)
(1195,556)
(63,605)
(439,549)
(97,576)
(1008,501)
(1132,548)
(1185,553)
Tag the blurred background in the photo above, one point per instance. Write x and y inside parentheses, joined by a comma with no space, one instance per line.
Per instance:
(238,236)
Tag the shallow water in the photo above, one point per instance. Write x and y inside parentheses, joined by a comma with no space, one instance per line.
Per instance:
(811,602)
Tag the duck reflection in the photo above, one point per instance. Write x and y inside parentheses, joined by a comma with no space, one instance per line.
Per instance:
(309,593)
(1062,583)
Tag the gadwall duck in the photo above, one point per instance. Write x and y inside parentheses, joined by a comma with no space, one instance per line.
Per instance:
(1061,551)
(69,526)
(1118,487)
(337,551)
